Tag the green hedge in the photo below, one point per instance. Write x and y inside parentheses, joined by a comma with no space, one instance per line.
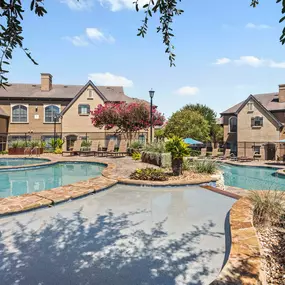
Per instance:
(155,158)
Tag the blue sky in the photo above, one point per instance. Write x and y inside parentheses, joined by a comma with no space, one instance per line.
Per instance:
(224,51)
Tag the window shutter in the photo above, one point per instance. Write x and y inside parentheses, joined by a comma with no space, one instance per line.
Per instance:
(252,121)
(261,121)
(79,109)
(88,109)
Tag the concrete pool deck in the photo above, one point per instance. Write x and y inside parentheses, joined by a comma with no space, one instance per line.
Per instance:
(126,235)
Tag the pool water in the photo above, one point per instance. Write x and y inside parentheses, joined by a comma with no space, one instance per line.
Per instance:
(21,161)
(14,183)
(253,178)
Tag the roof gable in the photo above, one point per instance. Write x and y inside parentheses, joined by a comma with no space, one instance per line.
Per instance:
(81,91)
(251,97)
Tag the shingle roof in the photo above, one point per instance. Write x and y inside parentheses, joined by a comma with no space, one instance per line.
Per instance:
(269,101)
(59,91)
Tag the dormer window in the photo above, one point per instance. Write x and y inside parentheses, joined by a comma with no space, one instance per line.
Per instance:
(90,94)
(250,106)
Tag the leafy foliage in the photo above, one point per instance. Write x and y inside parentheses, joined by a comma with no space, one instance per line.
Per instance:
(58,151)
(159,134)
(177,147)
(204,166)
(128,118)
(11,13)
(136,156)
(155,147)
(151,174)
(86,143)
(188,123)
(136,145)
(56,143)
(269,207)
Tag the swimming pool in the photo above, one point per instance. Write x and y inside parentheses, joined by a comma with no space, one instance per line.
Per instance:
(21,161)
(253,178)
(14,183)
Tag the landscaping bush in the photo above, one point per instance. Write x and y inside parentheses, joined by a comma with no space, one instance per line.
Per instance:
(56,143)
(136,145)
(151,174)
(86,144)
(156,158)
(205,166)
(158,147)
(4,152)
(136,156)
(187,164)
(194,152)
(268,207)
(58,151)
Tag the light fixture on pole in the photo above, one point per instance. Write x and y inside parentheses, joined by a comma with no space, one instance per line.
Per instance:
(151,95)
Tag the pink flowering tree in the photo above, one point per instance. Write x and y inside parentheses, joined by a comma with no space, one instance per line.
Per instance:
(127,118)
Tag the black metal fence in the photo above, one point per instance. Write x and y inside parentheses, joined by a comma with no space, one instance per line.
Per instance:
(7,139)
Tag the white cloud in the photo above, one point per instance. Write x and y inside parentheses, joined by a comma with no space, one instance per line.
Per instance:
(187,91)
(96,35)
(77,41)
(91,35)
(78,5)
(223,60)
(117,5)
(257,27)
(109,79)
(253,61)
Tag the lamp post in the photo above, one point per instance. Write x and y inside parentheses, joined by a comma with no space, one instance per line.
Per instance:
(151,94)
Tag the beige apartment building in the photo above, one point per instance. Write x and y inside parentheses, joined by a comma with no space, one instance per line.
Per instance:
(255,126)
(28,111)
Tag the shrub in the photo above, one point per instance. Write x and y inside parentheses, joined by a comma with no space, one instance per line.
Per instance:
(15,144)
(86,143)
(194,152)
(136,145)
(151,174)
(205,166)
(34,144)
(268,207)
(4,152)
(42,144)
(136,156)
(56,143)
(155,147)
(187,164)
(58,150)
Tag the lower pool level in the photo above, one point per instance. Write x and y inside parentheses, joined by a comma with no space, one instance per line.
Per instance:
(253,178)
(21,161)
(18,182)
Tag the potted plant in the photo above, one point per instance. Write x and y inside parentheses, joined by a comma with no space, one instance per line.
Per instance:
(42,146)
(13,148)
(178,149)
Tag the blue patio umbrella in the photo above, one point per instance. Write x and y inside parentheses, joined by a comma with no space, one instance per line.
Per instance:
(192,141)
(282,141)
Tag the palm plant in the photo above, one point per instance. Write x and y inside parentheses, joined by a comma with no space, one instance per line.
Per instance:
(178,149)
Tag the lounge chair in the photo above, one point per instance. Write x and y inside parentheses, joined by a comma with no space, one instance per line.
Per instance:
(244,159)
(122,150)
(214,153)
(75,149)
(110,148)
(93,149)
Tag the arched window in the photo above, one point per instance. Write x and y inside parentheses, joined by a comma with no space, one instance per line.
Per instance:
(233,124)
(19,114)
(50,112)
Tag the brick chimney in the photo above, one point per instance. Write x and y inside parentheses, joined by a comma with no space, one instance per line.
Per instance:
(46,81)
(281,94)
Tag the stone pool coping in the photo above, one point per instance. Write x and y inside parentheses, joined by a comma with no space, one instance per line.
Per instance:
(244,263)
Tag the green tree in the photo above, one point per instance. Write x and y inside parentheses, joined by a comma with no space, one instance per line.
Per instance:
(188,124)
(216,131)
(159,134)
(11,32)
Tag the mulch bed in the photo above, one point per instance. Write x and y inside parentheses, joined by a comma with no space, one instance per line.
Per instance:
(272,241)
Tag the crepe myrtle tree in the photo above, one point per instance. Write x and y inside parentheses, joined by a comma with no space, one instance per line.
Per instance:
(12,17)
(127,118)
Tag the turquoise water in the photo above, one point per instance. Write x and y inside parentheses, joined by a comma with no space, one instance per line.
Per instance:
(21,161)
(13,183)
(253,178)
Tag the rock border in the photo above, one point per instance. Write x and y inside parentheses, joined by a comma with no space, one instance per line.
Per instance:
(243,266)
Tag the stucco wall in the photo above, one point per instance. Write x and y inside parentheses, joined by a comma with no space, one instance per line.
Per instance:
(34,125)
(228,137)
(73,122)
(269,132)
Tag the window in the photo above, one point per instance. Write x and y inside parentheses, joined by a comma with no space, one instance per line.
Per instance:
(83,109)
(256,149)
(142,139)
(90,94)
(256,121)
(19,114)
(233,124)
(250,106)
(50,112)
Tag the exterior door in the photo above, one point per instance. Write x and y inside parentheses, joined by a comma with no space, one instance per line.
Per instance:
(270,151)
